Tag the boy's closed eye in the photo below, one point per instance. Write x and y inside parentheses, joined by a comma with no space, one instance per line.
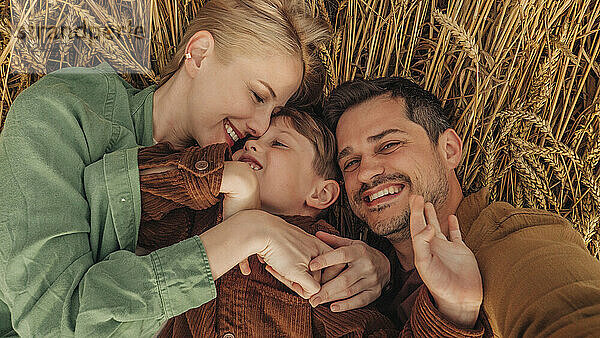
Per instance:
(278,143)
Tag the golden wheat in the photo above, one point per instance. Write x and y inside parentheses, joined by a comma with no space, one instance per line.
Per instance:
(522,79)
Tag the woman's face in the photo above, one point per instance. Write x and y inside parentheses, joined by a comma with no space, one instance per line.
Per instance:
(230,101)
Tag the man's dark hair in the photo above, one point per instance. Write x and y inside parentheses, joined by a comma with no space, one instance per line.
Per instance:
(422,107)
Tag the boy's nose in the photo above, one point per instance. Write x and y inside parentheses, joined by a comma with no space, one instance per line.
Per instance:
(251,145)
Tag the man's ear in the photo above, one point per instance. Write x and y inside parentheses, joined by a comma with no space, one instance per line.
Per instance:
(200,46)
(324,193)
(450,147)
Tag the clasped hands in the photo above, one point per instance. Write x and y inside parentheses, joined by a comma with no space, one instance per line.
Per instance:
(353,273)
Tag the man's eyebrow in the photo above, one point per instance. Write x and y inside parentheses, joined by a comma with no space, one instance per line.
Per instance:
(379,136)
(269,88)
(345,152)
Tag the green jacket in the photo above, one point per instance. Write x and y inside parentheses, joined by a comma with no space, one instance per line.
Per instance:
(70,212)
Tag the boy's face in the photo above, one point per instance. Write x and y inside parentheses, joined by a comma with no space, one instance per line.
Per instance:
(282,159)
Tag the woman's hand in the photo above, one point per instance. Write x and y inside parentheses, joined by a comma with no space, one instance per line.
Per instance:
(240,187)
(284,247)
(288,251)
(446,265)
(360,283)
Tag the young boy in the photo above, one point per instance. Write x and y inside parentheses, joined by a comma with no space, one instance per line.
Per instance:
(293,168)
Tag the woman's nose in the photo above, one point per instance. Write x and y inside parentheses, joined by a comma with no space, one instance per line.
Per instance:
(260,123)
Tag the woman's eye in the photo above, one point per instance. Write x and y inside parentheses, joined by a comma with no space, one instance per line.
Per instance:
(276,143)
(258,98)
(350,165)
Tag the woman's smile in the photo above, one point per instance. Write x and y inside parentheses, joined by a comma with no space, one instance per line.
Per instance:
(232,134)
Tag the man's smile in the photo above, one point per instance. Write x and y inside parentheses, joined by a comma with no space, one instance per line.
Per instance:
(384,193)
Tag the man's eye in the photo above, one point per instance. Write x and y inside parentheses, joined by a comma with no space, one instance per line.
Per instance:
(389,147)
(258,98)
(350,165)
(276,143)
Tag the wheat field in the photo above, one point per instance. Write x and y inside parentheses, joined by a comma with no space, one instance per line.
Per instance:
(522,77)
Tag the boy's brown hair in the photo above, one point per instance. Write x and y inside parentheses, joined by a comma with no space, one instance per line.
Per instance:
(319,136)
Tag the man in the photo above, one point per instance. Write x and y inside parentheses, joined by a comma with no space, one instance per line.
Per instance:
(395,145)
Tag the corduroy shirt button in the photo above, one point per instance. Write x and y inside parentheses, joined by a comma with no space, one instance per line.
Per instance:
(229,335)
(201,165)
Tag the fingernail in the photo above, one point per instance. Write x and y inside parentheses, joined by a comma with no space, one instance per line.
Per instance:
(316,301)
(335,308)
(314,266)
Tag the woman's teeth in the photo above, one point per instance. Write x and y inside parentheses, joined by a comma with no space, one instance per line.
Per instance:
(231,133)
(254,166)
(384,192)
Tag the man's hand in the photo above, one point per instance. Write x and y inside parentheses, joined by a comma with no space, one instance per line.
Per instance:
(360,283)
(240,187)
(447,267)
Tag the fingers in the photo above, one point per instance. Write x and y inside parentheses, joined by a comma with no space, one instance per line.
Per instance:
(331,272)
(293,286)
(245,267)
(307,283)
(279,277)
(316,275)
(421,233)
(431,219)
(333,240)
(454,229)
(338,288)
(417,215)
(362,299)
(355,296)
(341,255)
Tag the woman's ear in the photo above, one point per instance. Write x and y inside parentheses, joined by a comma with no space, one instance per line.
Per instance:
(450,147)
(200,46)
(323,195)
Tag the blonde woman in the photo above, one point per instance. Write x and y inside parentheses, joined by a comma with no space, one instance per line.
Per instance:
(70,178)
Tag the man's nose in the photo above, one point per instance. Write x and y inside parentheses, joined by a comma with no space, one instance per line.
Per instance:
(260,123)
(370,168)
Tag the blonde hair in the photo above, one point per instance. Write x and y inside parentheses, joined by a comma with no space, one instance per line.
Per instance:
(255,27)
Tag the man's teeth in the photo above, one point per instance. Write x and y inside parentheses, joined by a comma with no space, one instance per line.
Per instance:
(254,166)
(231,133)
(386,191)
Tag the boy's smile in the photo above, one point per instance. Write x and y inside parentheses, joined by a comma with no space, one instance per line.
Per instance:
(252,162)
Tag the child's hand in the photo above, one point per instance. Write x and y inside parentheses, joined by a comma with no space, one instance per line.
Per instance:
(240,187)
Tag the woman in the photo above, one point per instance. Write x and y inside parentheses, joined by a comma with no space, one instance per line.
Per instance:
(69,174)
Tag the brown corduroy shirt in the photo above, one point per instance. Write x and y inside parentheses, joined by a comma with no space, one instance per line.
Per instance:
(255,305)
(539,279)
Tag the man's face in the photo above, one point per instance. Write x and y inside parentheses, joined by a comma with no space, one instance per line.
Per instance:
(385,158)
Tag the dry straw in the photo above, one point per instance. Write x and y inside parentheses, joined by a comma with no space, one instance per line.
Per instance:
(523,78)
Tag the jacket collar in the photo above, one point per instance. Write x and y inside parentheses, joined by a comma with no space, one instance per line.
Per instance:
(470,208)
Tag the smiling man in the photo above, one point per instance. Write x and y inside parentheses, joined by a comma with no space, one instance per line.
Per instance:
(398,156)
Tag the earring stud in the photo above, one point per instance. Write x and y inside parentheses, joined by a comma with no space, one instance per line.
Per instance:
(188,55)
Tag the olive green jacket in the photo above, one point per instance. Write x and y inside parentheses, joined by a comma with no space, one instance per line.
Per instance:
(70,212)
